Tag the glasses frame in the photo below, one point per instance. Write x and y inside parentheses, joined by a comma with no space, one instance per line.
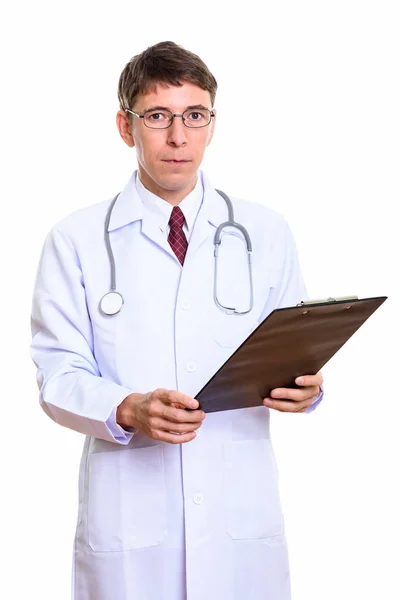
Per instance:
(211,111)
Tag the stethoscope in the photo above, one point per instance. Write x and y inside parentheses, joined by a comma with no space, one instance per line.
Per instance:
(112,302)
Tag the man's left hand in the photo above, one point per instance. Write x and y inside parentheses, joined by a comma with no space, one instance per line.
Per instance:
(295,400)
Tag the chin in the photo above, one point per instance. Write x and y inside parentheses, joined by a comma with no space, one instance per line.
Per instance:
(176,181)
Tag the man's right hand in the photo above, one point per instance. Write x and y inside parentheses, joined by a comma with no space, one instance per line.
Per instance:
(161,415)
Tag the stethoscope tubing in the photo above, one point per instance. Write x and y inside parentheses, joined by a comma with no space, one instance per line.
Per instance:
(112,302)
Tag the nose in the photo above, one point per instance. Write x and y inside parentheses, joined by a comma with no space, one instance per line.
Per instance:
(177,132)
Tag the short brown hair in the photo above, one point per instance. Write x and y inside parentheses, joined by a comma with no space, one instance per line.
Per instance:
(165,62)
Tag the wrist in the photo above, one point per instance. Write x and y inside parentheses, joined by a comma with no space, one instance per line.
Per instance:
(125,414)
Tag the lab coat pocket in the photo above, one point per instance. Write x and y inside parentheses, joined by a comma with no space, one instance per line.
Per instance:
(127,499)
(253,507)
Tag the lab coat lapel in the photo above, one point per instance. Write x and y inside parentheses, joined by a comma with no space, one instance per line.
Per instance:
(201,231)
(212,212)
(154,233)
(129,208)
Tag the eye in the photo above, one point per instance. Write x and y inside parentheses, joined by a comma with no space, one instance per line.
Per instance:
(196,116)
(157,116)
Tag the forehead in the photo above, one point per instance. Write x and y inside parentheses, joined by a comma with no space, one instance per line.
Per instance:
(175,97)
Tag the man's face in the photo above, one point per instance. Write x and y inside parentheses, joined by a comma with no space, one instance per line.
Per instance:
(168,159)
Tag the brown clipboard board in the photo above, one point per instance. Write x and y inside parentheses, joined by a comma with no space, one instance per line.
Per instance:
(290,342)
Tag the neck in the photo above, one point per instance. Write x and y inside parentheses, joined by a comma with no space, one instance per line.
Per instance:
(173,197)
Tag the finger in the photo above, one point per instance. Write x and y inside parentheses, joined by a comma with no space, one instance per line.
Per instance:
(170,426)
(287,405)
(172,438)
(297,395)
(179,415)
(310,380)
(173,396)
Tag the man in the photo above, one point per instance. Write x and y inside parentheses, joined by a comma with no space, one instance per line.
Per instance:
(173,505)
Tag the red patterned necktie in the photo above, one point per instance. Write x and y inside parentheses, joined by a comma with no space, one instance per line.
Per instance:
(176,237)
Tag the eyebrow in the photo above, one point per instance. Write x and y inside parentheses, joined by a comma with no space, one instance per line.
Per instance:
(194,106)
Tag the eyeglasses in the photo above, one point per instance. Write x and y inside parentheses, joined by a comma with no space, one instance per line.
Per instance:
(162,118)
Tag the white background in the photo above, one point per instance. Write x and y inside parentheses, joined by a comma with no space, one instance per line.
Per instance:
(308,123)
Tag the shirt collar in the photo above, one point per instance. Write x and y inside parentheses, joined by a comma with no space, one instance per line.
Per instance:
(161,209)
(129,205)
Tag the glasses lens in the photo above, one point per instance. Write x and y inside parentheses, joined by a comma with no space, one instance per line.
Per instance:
(157,119)
(197,118)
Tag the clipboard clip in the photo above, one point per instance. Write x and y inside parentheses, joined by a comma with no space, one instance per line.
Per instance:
(325,300)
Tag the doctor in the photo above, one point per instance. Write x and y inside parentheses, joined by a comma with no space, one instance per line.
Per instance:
(173,505)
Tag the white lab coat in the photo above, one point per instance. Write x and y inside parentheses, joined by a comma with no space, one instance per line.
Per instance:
(160,521)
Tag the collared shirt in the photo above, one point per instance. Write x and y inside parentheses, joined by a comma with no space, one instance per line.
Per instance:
(161,209)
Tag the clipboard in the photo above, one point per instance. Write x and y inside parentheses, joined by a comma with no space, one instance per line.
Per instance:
(290,342)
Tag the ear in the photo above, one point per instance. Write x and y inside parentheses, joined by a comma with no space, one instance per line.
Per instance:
(211,128)
(124,128)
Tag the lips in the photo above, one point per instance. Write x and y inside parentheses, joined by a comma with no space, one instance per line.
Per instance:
(175,161)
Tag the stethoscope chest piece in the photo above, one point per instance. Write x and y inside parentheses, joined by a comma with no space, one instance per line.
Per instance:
(111,303)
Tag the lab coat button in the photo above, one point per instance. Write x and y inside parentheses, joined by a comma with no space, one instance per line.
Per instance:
(191,366)
(198,498)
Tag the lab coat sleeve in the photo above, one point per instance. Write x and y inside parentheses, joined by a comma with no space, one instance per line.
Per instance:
(72,392)
(316,400)
(287,285)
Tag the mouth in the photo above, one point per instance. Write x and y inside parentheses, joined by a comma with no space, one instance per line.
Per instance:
(175,161)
